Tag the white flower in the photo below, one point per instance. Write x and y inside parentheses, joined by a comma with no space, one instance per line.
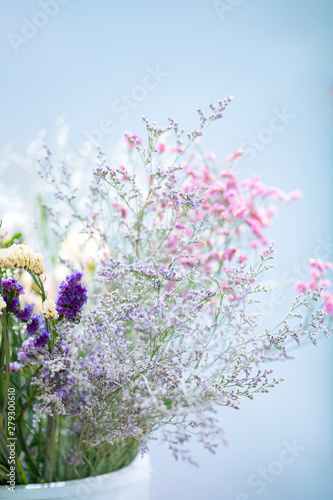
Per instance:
(21,257)
(3,304)
(49,309)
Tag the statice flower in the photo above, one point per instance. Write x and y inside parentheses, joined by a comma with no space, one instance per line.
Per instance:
(12,286)
(42,339)
(319,281)
(15,366)
(12,289)
(27,350)
(3,304)
(25,313)
(172,330)
(14,306)
(22,257)
(49,309)
(33,325)
(72,295)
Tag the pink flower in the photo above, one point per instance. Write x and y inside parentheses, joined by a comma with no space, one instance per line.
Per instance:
(160,147)
(229,253)
(254,244)
(120,209)
(210,155)
(301,287)
(294,195)
(328,300)
(133,140)
(320,266)
(234,155)
(242,258)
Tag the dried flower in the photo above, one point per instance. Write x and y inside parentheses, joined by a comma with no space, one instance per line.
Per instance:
(3,304)
(72,295)
(41,339)
(171,332)
(15,366)
(49,309)
(25,313)
(33,325)
(21,257)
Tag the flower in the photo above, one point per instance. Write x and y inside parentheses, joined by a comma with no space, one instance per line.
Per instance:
(133,140)
(15,366)
(3,304)
(49,309)
(14,306)
(21,257)
(72,296)
(25,313)
(33,325)
(234,155)
(42,338)
(11,285)
(26,352)
(328,300)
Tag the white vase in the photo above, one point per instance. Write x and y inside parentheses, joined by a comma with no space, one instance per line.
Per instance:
(129,483)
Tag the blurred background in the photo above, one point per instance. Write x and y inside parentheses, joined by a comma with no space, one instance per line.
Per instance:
(76,74)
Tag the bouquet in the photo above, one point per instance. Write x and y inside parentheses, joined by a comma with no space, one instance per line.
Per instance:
(154,323)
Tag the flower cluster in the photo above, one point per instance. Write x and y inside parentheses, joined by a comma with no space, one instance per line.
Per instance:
(234,205)
(49,309)
(12,289)
(319,282)
(170,331)
(21,257)
(72,295)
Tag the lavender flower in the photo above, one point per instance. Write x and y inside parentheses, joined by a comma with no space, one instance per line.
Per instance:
(72,295)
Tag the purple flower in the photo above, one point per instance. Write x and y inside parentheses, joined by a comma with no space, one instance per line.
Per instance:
(15,366)
(22,356)
(33,325)
(25,313)
(42,338)
(26,352)
(72,295)
(14,304)
(12,286)
(11,291)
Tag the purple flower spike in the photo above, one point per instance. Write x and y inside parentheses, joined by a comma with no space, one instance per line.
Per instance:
(33,325)
(42,338)
(25,313)
(72,296)
(14,304)
(11,285)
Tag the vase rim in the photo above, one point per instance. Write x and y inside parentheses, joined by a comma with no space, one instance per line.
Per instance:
(138,470)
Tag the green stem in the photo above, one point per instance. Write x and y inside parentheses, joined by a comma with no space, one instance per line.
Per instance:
(25,448)
(50,446)
(6,349)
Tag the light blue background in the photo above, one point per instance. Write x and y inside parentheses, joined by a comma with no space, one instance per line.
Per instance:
(270,55)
